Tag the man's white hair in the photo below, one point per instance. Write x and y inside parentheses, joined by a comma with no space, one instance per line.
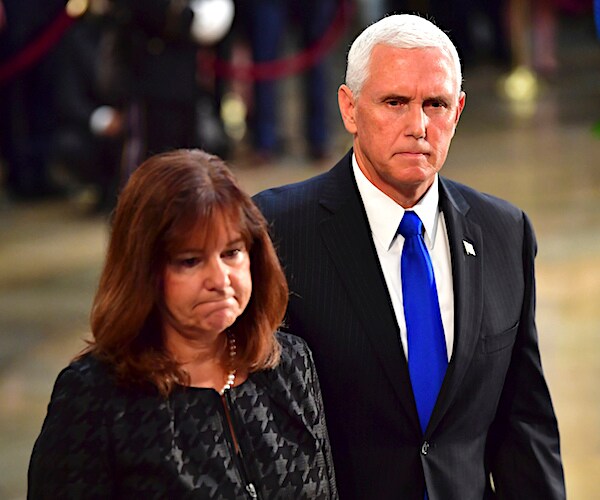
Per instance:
(402,31)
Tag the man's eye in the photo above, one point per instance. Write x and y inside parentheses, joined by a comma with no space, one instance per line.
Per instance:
(436,104)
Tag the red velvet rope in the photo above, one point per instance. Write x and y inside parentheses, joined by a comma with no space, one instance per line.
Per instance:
(271,70)
(37,48)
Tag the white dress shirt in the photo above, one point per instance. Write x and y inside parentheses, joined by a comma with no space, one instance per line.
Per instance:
(384,216)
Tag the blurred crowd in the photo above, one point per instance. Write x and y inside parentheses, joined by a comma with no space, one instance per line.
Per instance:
(90,88)
(115,85)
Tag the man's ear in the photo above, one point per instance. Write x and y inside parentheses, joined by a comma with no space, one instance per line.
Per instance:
(459,109)
(462,98)
(346,102)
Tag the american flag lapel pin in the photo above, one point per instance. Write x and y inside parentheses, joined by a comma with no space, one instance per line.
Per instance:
(469,249)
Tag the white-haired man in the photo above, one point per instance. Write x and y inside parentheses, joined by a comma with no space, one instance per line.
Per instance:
(444,403)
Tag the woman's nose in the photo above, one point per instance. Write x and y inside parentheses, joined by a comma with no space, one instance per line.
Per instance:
(217,274)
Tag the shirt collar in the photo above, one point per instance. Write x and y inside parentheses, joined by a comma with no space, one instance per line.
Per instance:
(384,214)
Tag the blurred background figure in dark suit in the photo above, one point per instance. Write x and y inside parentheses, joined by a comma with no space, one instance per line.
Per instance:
(26,107)
(154,47)
(88,137)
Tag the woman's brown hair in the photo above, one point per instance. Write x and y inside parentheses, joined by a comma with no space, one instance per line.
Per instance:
(169,195)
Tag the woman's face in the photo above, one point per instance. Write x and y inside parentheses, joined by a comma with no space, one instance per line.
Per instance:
(207,283)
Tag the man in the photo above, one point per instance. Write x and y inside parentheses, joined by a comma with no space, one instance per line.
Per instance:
(491,430)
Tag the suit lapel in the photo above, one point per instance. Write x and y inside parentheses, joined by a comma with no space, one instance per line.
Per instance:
(347,237)
(468,292)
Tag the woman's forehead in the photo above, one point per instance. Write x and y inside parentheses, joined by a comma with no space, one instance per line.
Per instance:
(204,232)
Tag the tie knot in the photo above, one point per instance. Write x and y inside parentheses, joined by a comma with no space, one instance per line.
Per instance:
(410,225)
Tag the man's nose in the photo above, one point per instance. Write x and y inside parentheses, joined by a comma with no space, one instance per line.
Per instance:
(416,122)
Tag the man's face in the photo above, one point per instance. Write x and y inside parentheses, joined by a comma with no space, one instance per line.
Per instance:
(404,119)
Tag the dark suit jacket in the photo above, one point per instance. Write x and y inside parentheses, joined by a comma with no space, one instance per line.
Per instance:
(493,415)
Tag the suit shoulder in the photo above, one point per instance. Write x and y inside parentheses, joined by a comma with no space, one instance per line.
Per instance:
(483,202)
(297,206)
(289,195)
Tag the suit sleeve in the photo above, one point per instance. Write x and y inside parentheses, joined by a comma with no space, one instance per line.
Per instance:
(525,460)
(70,456)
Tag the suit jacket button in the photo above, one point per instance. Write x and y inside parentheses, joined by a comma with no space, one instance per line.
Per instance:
(424,448)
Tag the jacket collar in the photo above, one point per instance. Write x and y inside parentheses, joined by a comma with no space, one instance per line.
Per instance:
(347,236)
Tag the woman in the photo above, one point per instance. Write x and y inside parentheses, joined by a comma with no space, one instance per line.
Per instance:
(185,391)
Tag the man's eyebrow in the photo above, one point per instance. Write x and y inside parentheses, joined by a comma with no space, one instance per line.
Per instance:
(395,97)
(439,98)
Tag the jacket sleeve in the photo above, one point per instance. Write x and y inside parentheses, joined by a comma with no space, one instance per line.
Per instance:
(525,452)
(70,456)
(323,436)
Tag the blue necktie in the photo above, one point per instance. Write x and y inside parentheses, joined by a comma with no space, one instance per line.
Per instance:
(427,358)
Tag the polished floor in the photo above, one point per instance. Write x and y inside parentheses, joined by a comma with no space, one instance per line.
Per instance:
(543,155)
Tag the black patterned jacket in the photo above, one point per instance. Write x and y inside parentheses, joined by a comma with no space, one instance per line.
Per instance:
(100,440)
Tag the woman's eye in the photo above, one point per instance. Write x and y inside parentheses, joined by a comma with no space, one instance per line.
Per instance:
(232,252)
(188,261)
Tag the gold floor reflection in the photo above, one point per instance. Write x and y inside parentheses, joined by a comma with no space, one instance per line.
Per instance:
(543,156)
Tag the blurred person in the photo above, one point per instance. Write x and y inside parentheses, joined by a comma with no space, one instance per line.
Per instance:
(27,109)
(533,30)
(2,16)
(370,11)
(416,293)
(155,46)
(453,15)
(88,137)
(185,390)
(478,29)
(268,22)
(545,23)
